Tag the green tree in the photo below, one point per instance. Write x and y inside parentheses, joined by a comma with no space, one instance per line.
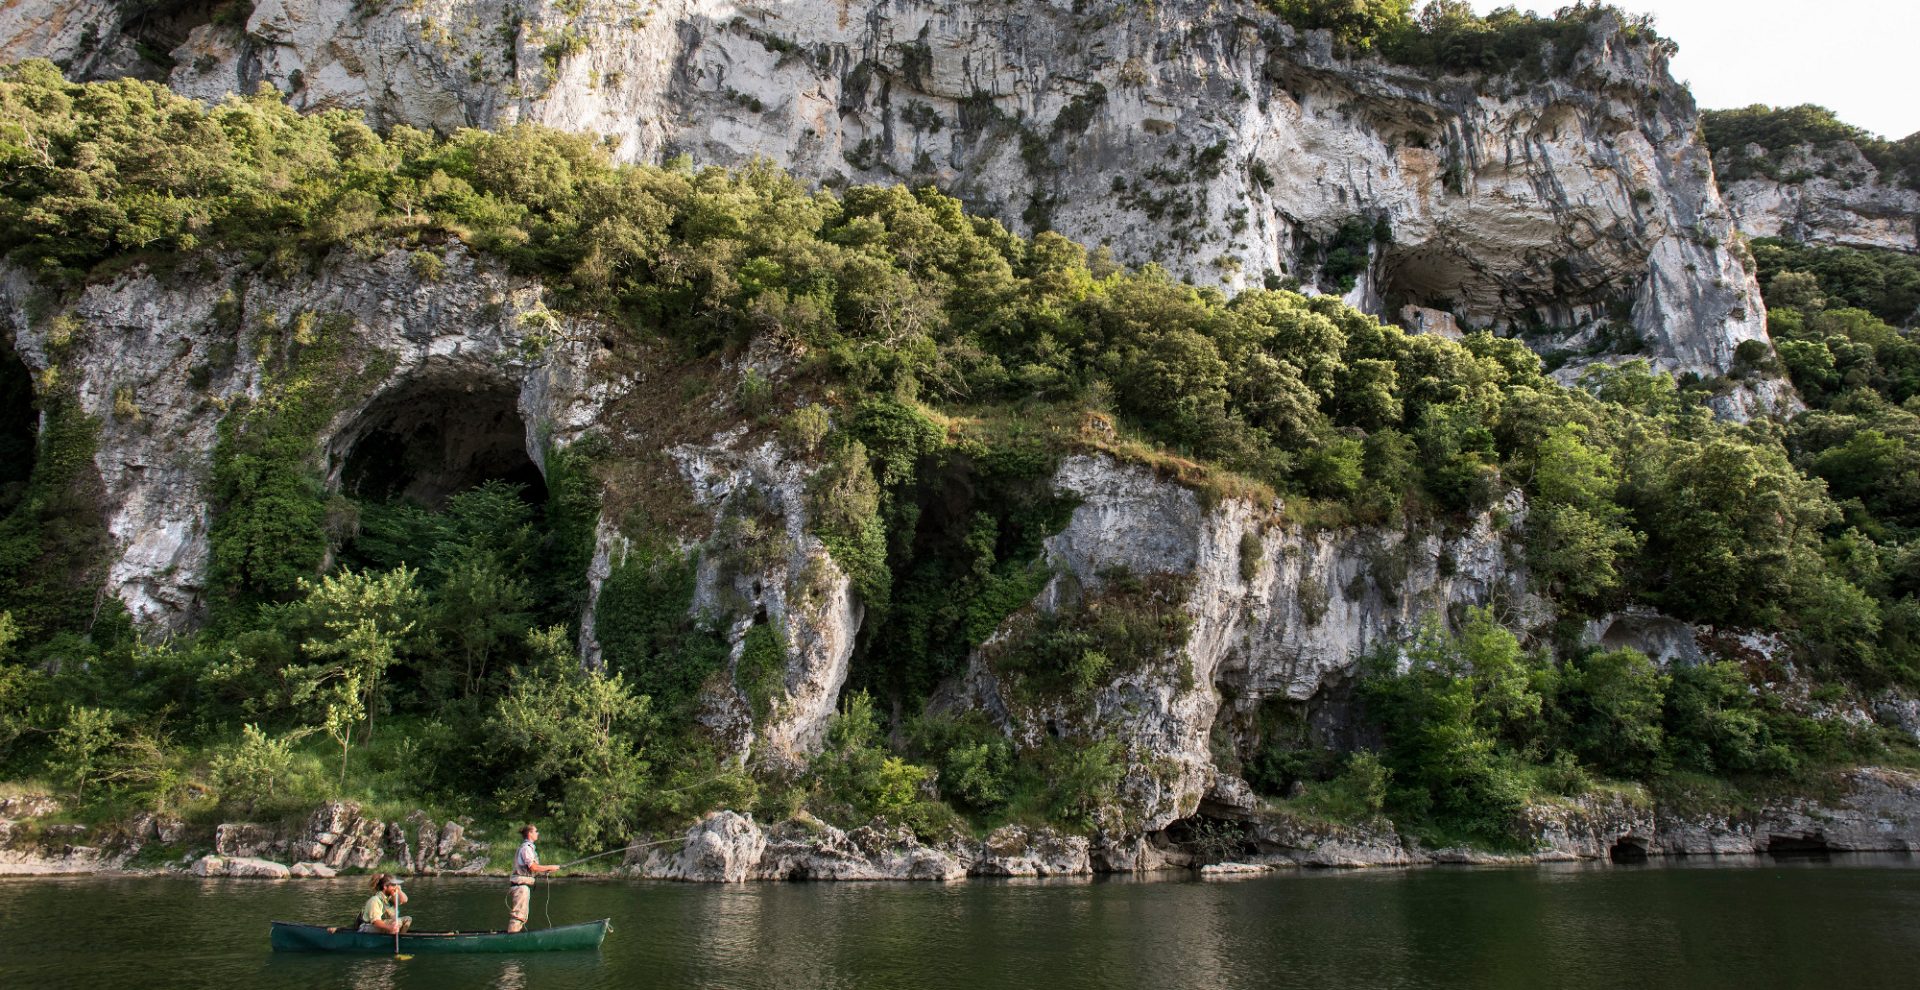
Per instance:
(1454,720)
(80,747)
(1577,534)
(1355,23)
(365,621)
(1614,701)
(570,740)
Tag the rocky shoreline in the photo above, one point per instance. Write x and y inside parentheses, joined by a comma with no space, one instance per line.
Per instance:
(1875,810)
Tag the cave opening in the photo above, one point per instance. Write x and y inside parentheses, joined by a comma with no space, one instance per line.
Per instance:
(1204,839)
(436,439)
(1628,849)
(1812,846)
(19,428)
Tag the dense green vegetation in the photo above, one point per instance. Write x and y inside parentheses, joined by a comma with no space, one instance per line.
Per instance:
(1884,283)
(943,367)
(1447,36)
(1476,727)
(1780,130)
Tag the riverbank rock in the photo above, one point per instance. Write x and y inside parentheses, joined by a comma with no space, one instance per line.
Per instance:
(1234,869)
(248,840)
(808,849)
(60,860)
(21,806)
(1306,842)
(1128,854)
(1591,827)
(1014,851)
(1877,810)
(249,868)
(28,848)
(318,871)
(340,836)
(723,847)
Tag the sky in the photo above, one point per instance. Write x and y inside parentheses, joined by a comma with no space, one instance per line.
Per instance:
(1851,56)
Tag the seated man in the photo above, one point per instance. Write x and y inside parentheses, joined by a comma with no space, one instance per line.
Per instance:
(381,913)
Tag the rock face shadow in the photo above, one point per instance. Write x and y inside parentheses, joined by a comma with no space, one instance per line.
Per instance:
(19,427)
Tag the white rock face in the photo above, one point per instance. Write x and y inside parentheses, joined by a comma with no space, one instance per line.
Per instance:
(1839,198)
(83,36)
(1211,137)
(721,848)
(155,364)
(1012,851)
(799,590)
(1316,602)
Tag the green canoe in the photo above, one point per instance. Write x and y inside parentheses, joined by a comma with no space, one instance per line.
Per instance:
(291,936)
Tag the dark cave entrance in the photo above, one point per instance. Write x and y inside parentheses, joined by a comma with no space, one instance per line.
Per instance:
(1204,839)
(435,439)
(1799,846)
(19,427)
(1628,849)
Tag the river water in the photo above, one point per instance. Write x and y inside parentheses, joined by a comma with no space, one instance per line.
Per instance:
(1852,922)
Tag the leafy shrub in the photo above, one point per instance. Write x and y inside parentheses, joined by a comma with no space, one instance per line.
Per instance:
(806,427)
(80,747)
(568,740)
(1358,791)
(856,773)
(252,770)
(1082,780)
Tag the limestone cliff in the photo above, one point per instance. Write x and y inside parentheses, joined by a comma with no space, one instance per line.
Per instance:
(1210,137)
(1277,611)
(468,362)
(1824,195)
(161,359)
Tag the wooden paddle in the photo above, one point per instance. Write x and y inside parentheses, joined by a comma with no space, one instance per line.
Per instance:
(396,931)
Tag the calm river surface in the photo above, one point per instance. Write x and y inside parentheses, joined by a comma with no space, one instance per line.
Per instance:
(1850,923)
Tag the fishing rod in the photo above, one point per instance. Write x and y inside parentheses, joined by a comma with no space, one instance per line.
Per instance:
(610,852)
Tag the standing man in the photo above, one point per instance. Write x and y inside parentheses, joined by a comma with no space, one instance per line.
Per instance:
(526,866)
